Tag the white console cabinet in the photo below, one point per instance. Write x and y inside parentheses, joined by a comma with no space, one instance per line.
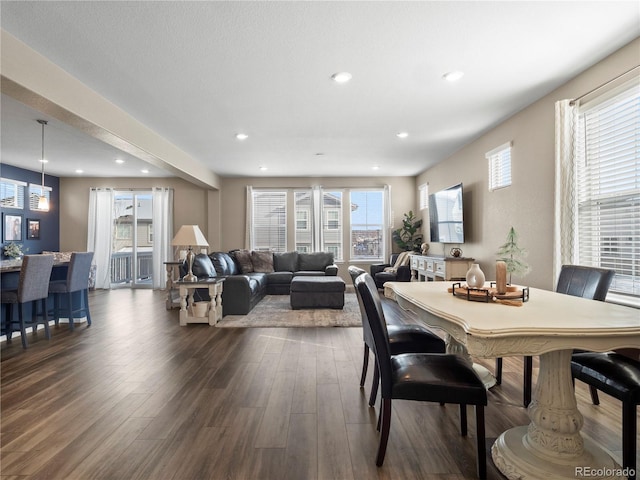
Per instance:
(425,268)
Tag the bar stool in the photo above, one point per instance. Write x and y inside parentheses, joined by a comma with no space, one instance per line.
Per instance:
(33,285)
(77,281)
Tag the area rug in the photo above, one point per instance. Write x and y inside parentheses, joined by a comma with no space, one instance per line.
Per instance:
(275,311)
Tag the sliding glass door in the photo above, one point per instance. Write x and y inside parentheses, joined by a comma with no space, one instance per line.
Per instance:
(132,245)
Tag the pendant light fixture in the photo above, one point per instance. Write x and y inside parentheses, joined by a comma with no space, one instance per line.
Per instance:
(43,201)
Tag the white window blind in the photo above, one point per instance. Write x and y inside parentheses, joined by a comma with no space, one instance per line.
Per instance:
(12,193)
(608,166)
(269,221)
(423,196)
(499,166)
(35,191)
(304,232)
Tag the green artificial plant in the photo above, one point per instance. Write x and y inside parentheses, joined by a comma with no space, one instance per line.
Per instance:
(513,255)
(408,237)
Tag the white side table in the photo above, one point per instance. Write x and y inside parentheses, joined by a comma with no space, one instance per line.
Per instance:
(214,312)
(173,275)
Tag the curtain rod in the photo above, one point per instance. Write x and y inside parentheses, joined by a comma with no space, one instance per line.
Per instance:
(573,102)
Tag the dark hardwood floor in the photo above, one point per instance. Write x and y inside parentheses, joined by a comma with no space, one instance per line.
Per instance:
(136,396)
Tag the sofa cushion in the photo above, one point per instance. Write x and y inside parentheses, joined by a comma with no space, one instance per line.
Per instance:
(243,257)
(285,262)
(202,266)
(279,278)
(262,261)
(223,263)
(317,261)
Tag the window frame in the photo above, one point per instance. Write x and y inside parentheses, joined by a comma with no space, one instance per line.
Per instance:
(500,167)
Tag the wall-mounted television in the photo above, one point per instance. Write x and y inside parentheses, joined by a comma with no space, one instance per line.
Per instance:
(446,222)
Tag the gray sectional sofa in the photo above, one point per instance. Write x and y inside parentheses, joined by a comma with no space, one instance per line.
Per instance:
(249,275)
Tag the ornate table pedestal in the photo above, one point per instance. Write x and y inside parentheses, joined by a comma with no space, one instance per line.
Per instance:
(552,441)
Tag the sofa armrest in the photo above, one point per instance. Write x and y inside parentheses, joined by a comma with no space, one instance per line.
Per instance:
(403,274)
(331,271)
(377,268)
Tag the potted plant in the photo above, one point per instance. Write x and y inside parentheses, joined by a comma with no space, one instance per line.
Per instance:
(408,237)
(512,254)
(13,250)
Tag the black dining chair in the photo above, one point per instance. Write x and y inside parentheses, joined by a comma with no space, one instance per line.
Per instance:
(77,281)
(402,339)
(426,377)
(586,282)
(33,288)
(619,376)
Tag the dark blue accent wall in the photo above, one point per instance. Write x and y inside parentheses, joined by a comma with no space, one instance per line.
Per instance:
(49,221)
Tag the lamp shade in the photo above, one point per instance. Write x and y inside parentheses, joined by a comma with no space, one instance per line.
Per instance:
(190,236)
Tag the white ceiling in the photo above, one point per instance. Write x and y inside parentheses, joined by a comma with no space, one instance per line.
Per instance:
(199,72)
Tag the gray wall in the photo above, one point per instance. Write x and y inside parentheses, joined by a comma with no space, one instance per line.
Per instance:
(527,204)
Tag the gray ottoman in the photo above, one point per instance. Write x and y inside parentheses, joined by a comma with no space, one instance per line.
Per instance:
(317,292)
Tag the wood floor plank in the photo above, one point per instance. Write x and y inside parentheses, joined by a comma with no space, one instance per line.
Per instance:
(334,460)
(301,456)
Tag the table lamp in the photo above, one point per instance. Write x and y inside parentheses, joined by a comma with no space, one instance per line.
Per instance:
(190,236)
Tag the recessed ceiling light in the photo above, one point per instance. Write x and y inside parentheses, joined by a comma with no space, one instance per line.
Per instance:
(263,168)
(319,154)
(79,171)
(375,167)
(242,136)
(341,77)
(402,134)
(119,161)
(453,76)
(144,170)
(43,160)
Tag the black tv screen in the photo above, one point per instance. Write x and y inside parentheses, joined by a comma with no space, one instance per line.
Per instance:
(446,223)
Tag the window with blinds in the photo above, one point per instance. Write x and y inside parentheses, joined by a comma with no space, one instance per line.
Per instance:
(269,223)
(499,167)
(423,196)
(12,193)
(35,192)
(608,180)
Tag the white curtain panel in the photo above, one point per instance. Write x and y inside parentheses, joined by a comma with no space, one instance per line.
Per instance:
(248,218)
(162,234)
(99,233)
(566,198)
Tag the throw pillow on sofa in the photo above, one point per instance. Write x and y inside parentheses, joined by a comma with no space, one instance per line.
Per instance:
(285,262)
(243,257)
(262,262)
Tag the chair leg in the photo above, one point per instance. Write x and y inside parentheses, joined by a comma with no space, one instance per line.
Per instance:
(384,434)
(594,395)
(56,308)
(463,420)
(23,329)
(45,319)
(528,379)
(69,300)
(374,385)
(365,365)
(629,432)
(481,449)
(9,322)
(498,371)
(86,305)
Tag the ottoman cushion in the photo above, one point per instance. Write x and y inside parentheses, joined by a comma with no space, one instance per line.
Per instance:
(317,292)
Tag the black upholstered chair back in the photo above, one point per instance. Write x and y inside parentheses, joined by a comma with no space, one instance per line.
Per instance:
(370,299)
(586,282)
(79,271)
(367,335)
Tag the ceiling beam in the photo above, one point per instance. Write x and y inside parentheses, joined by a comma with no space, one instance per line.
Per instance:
(35,81)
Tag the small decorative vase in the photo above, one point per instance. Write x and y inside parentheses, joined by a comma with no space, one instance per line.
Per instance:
(475,276)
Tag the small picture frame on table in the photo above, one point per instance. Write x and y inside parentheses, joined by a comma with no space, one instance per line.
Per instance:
(33,229)
(12,228)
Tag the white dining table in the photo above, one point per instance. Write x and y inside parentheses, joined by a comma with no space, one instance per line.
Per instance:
(550,325)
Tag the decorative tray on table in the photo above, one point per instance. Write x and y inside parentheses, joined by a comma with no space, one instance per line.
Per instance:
(513,295)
